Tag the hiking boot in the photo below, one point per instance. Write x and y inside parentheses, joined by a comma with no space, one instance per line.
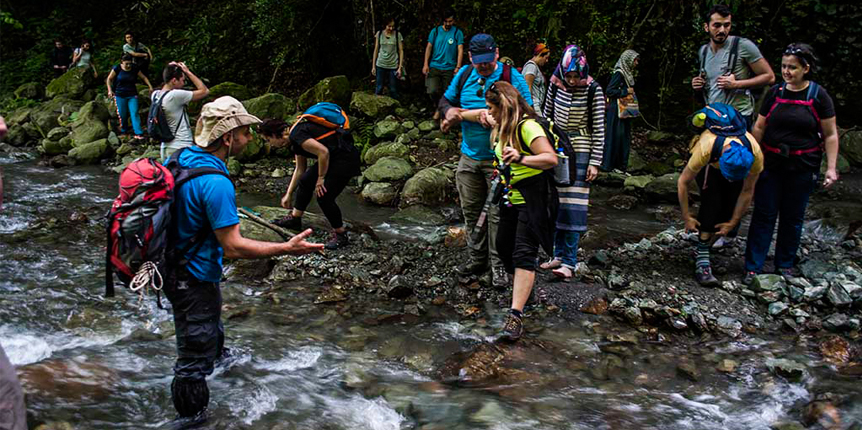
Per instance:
(289,222)
(499,278)
(787,272)
(338,240)
(513,329)
(471,268)
(748,279)
(704,277)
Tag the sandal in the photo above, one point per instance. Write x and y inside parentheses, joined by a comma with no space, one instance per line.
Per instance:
(563,272)
(551,264)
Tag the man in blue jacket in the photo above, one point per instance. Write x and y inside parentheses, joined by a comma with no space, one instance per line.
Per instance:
(476,165)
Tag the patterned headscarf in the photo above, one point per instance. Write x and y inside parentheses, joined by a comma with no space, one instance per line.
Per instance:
(574,60)
(540,48)
(626,66)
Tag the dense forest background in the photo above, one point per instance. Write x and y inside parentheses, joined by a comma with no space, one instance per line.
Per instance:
(286,45)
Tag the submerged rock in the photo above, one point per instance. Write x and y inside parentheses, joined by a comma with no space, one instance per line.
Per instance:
(380,193)
(785,368)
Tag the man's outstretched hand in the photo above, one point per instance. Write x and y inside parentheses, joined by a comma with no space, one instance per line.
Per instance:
(297,245)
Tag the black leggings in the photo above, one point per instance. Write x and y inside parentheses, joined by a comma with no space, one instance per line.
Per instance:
(517,244)
(334,183)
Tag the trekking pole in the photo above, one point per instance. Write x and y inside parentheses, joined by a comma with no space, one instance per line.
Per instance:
(493,197)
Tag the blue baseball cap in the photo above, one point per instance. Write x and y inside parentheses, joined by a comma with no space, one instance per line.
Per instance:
(735,163)
(483,48)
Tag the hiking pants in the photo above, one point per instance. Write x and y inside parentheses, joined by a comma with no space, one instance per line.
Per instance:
(473,178)
(780,195)
(335,183)
(127,108)
(384,76)
(200,338)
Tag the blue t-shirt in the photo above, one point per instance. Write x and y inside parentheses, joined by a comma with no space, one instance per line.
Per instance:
(209,202)
(124,82)
(476,140)
(444,55)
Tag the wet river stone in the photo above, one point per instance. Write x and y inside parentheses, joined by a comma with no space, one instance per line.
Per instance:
(785,368)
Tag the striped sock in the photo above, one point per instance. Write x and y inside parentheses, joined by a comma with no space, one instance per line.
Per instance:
(702,258)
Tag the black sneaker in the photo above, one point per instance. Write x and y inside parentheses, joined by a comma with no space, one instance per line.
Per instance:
(471,268)
(289,222)
(748,279)
(513,329)
(499,278)
(787,272)
(704,277)
(338,240)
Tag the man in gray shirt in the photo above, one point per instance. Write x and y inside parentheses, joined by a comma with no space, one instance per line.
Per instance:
(731,66)
(174,104)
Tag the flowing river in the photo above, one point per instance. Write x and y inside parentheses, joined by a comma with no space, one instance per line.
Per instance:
(106,364)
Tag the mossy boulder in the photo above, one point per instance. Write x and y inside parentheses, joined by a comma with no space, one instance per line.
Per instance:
(57,133)
(842,165)
(428,187)
(93,111)
(636,162)
(388,169)
(237,91)
(385,149)
(656,136)
(335,89)
(30,90)
(90,153)
(16,136)
(19,116)
(46,115)
(270,105)
(663,188)
(427,125)
(387,129)
(851,147)
(380,193)
(32,132)
(372,106)
(88,130)
(72,84)
(254,150)
(61,146)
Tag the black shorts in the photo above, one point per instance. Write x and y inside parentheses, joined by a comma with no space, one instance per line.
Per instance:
(718,198)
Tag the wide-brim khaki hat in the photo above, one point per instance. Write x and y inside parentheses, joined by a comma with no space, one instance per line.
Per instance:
(219,117)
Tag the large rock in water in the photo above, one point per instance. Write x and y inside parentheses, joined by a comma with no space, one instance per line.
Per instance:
(372,106)
(270,105)
(335,89)
(385,149)
(388,169)
(663,188)
(89,153)
(380,193)
(30,90)
(428,187)
(46,115)
(237,91)
(90,125)
(851,147)
(62,146)
(72,84)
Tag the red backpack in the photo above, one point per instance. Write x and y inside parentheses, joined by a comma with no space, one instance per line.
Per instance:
(139,228)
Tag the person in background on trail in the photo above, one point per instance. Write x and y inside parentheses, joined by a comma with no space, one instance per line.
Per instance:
(618,131)
(175,102)
(795,126)
(83,57)
(61,57)
(726,187)
(528,207)
(13,415)
(731,67)
(141,55)
(443,55)
(208,203)
(576,103)
(125,94)
(337,163)
(532,72)
(476,165)
(388,60)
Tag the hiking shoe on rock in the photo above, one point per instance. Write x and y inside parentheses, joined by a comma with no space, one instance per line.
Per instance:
(513,329)
(289,222)
(705,278)
(787,272)
(748,279)
(338,240)
(472,268)
(499,278)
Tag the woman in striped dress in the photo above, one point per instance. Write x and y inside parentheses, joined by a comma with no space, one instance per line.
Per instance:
(575,101)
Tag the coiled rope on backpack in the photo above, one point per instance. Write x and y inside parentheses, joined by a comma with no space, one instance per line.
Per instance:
(147,277)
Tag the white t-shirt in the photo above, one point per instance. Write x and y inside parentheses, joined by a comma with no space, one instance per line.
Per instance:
(174,105)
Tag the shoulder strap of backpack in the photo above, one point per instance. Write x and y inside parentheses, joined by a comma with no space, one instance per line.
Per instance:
(734,53)
(717,149)
(507,73)
(703,51)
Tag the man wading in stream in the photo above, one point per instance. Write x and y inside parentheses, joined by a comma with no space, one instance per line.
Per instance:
(206,211)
